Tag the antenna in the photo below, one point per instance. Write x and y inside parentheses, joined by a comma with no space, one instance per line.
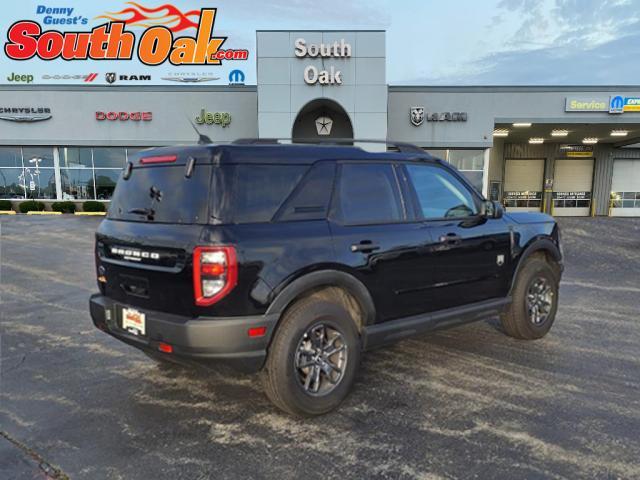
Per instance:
(202,138)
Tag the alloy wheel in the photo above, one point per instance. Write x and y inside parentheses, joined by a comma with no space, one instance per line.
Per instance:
(320,359)
(539,300)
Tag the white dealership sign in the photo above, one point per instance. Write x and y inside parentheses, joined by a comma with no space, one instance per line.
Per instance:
(312,75)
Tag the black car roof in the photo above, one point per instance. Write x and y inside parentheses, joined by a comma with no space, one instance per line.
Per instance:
(281,153)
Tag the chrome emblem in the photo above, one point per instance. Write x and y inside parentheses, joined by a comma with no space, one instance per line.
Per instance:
(134,255)
(416,114)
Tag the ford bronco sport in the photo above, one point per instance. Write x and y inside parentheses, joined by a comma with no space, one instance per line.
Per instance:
(291,260)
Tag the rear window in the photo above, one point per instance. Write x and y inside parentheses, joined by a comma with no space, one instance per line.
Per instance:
(253,193)
(176,199)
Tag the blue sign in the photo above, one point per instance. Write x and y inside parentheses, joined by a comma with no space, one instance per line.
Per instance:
(236,77)
(616,104)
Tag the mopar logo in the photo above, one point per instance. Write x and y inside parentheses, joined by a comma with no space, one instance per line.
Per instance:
(236,77)
(616,104)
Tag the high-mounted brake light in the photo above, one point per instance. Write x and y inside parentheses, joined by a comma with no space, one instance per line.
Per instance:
(215,273)
(159,159)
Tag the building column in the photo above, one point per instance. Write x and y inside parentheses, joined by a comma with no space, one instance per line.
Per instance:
(602,177)
(485,173)
(56,170)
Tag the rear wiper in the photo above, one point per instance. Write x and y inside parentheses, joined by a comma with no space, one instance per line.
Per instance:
(149,212)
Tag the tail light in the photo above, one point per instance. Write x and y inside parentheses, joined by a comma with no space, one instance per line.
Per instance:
(215,273)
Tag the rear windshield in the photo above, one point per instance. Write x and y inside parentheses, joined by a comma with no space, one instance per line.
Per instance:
(162,194)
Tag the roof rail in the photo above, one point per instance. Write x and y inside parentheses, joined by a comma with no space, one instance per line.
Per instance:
(402,147)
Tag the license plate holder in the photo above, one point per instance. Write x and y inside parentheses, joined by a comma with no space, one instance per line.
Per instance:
(134,321)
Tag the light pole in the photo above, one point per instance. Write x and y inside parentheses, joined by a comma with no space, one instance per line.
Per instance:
(36,161)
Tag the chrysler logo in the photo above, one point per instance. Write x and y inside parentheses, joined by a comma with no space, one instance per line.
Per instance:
(190,79)
(25,114)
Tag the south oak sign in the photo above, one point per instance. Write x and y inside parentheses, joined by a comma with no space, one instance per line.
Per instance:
(112,41)
(311,74)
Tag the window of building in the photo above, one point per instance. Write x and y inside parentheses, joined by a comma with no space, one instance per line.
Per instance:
(439,193)
(86,173)
(38,174)
(11,173)
(368,194)
(625,199)
(106,180)
(77,184)
(469,162)
(109,157)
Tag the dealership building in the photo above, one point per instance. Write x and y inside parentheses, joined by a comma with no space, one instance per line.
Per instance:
(564,150)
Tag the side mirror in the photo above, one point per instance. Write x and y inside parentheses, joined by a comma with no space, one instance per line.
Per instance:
(492,209)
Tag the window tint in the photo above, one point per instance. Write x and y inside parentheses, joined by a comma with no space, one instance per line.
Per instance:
(310,200)
(183,200)
(254,193)
(368,193)
(439,193)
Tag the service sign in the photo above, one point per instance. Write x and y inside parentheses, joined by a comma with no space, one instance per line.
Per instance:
(145,42)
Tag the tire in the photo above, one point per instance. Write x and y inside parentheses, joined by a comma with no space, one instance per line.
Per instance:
(519,320)
(288,383)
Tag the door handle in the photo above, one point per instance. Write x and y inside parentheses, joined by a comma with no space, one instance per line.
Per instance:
(450,239)
(365,246)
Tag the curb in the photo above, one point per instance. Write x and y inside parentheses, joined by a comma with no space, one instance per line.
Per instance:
(35,212)
(7,212)
(90,213)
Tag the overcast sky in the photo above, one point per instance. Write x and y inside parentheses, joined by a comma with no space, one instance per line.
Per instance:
(453,42)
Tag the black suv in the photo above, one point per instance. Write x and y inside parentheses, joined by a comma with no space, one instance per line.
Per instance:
(293,259)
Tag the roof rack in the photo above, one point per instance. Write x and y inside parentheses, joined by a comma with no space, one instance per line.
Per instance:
(402,147)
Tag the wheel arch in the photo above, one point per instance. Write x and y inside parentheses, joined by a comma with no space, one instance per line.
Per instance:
(541,245)
(319,280)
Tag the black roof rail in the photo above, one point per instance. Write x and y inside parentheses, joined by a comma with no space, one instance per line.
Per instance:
(402,147)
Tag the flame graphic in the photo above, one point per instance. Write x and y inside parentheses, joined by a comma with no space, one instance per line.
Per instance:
(141,16)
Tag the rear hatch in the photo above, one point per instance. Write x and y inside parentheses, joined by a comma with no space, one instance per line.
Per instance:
(157,216)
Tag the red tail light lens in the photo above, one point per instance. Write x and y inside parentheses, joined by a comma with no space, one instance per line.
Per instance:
(215,273)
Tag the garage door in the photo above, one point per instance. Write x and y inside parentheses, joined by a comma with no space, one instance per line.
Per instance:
(523,181)
(572,182)
(625,188)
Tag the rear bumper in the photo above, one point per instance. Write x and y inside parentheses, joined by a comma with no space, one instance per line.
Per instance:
(202,340)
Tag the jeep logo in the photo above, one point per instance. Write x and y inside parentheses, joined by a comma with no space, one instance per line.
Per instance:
(15,77)
(211,118)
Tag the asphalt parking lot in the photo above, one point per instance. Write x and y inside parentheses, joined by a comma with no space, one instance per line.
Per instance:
(464,403)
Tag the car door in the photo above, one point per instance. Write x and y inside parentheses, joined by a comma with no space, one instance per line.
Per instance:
(468,256)
(375,233)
